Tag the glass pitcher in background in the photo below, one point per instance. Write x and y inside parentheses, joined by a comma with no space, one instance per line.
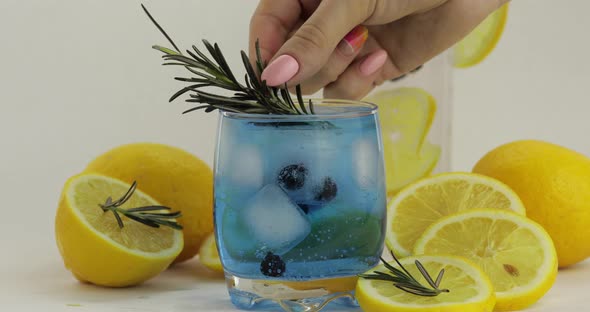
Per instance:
(415,112)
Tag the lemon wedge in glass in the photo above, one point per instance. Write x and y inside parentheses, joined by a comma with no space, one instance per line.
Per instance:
(482,40)
(406,115)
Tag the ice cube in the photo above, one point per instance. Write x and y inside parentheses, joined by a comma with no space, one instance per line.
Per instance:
(365,161)
(247,169)
(274,220)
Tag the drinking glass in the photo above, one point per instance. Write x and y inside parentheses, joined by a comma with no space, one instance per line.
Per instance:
(300,204)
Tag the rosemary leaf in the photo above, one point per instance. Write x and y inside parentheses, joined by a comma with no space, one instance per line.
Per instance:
(197,107)
(287,98)
(173,225)
(164,50)
(187,61)
(148,215)
(161,215)
(202,95)
(206,62)
(416,292)
(300,98)
(223,64)
(119,221)
(403,268)
(191,79)
(250,71)
(126,196)
(204,75)
(160,28)
(203,56)
(173,64)
(214,71)
(403,280)
(259,61)
(210,108)
(147,222)
(148,208)
(425,274)
(185,90)
(439,278)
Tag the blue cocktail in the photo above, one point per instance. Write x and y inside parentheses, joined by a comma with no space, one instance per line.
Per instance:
(299,199)
(299,193)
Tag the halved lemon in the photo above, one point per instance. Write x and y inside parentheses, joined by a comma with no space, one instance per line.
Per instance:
(515,252)
(406,115)
(469,288)
(208,254)
(93,246)
(482,40)
(424,202)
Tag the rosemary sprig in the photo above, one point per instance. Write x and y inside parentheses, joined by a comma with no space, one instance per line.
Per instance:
(252,97)
(148,215)
(403,280)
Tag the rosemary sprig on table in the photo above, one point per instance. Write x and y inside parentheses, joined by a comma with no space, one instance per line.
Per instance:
(403,280)
(148,215)
(254,97)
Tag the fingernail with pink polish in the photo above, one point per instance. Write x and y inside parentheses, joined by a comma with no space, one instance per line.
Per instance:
(354,40)
(373,62)
(280,70)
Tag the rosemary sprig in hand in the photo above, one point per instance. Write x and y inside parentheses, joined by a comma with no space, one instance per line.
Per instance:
(254,97)
(148,215)
(403,280)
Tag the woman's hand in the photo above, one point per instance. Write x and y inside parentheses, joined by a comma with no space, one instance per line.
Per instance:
(349,46)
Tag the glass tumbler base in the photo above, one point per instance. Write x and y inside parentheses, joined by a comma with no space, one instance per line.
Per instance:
(290,296)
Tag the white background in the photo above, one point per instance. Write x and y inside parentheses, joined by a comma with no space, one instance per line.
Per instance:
(79,77)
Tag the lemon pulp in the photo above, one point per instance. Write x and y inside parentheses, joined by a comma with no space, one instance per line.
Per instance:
(93,246)
(469,288)
(424,202)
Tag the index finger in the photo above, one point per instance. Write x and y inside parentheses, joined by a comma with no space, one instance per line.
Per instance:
(271,24)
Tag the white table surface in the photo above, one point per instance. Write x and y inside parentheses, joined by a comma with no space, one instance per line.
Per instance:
(43,284)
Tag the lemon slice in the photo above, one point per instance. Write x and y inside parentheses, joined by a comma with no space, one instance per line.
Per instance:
(469,288)
(482,40)
(515,252)
(406,115)
(422,203)
(93,246)
(405,167)
(208,254)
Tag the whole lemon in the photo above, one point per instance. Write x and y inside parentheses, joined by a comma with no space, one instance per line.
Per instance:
(553,182)
(172,176)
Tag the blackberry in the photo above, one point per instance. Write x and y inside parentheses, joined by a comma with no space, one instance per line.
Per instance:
(292,177)
(272,265)
(327,190)
(304,207)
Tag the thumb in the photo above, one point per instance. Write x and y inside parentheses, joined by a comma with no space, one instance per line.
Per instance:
(308,50)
